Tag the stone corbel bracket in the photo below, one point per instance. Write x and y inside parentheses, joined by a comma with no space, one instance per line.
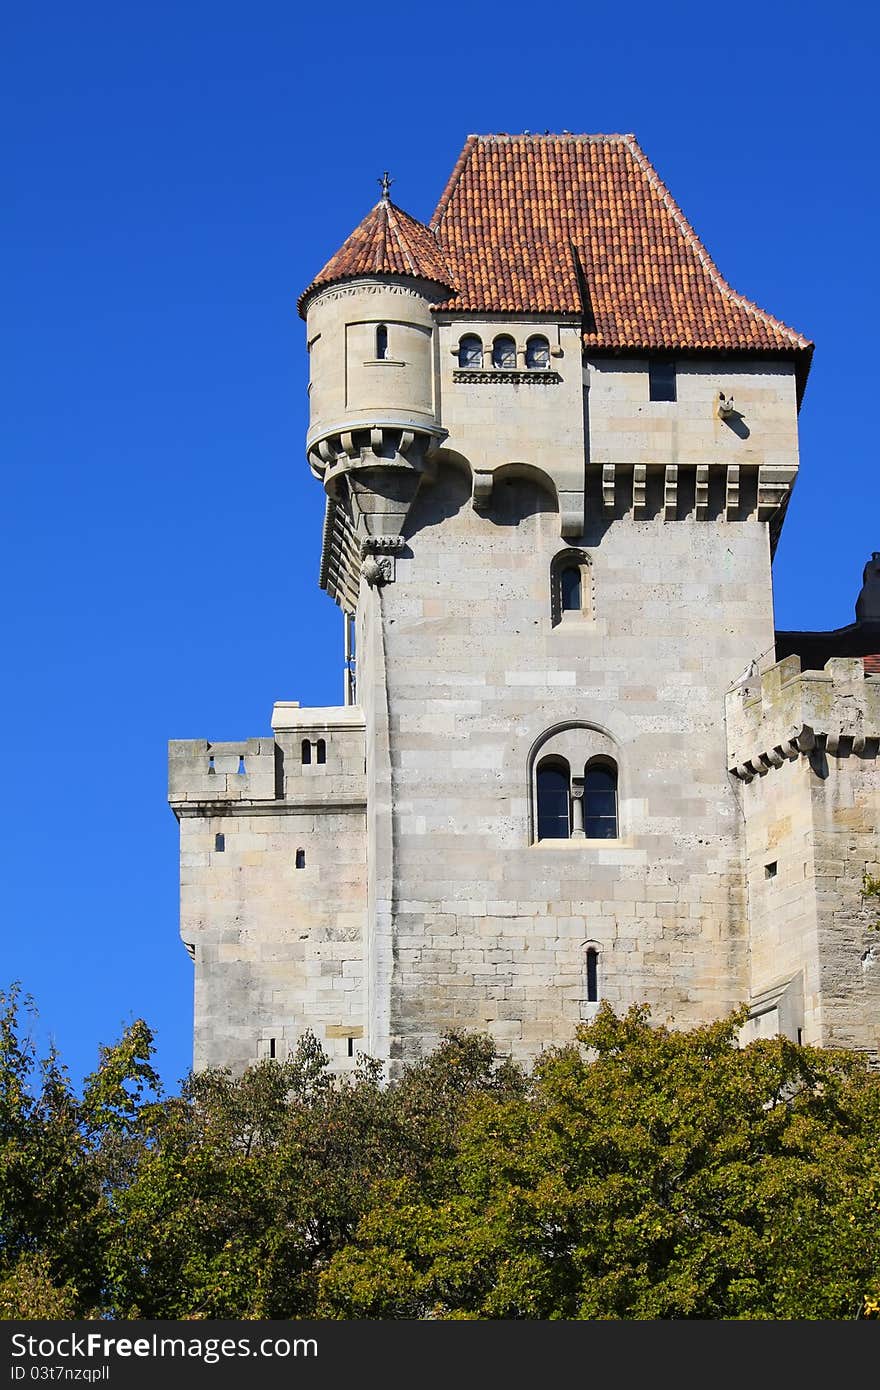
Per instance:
(838,742)
(378,555)
(481,494)
(801,741)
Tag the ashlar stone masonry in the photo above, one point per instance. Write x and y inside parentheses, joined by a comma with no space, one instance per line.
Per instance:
(569,766)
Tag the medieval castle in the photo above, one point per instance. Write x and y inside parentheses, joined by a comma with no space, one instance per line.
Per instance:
(575,762)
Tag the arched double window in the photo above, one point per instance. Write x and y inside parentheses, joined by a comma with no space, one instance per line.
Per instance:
(579,807)
(537,353)
(504,352)
(470,351)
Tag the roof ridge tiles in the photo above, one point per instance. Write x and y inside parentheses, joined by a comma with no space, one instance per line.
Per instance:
(699,248)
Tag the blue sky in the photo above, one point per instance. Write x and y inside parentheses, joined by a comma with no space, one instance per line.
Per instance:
(174,176)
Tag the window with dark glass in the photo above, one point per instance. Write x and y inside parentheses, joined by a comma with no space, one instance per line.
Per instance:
(504,352)
(321,751)
(554,821)
(470,351)
(661,381)
(537,353)
(306,752)
(382,342)
(592,975)
(600,801)
(570,589)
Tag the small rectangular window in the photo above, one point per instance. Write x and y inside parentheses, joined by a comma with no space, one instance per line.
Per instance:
(770,870)
(272,1049)
(661,381)
(219,843)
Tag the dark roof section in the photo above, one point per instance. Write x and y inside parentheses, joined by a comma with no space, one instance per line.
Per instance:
(583,225)
(387,242)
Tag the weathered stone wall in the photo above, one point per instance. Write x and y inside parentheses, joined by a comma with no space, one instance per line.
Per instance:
(273,911)
(488,930)
(804,748)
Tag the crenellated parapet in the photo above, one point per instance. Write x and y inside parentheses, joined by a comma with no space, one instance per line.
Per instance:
(785,713)
(225,772)
(314,761)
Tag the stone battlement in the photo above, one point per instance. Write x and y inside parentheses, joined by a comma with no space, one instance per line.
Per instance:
(316,755)
(784,712)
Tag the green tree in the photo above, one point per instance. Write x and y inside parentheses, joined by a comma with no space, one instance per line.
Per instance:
(59,1158)
(641,1172)
(647,1173)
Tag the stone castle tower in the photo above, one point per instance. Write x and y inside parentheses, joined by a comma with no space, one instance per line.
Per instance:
(575,761)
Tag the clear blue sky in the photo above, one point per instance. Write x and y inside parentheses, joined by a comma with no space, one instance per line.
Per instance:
(174,175)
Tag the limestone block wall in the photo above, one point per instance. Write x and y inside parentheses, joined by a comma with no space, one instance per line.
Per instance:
(502,418)
(273,889)
(485,927)
(804,750)
(626,427)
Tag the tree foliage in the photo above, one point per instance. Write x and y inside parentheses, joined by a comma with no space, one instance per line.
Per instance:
(639,1173)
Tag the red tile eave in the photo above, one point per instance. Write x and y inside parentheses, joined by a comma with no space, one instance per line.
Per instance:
(526,223)
(872,665)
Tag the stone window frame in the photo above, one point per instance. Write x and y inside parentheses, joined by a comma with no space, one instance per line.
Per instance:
(470,338)
(506,338)
(532,366)
(570,558)
(578,743)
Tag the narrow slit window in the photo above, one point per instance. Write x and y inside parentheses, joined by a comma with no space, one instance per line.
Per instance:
(553,785)
(570,589)
(219,843)
(600,801)
(242,770)
(351,1047)
(272,1049)
(300,859)
(592,975)
(321,751)
(661,381)
(211,767)
(382,343)
(306,752)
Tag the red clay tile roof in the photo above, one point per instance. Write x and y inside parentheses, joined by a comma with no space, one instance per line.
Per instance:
(567,224)
(582,224)
(872,665)
(387,242)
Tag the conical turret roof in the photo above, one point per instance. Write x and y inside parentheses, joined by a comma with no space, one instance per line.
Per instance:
(387,242)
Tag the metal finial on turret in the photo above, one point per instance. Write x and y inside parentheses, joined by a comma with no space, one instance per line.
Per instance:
(386,181)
